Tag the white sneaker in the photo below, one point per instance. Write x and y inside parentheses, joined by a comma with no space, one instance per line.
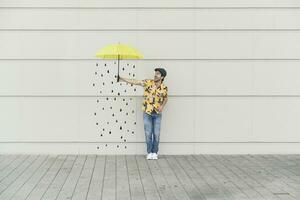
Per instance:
(149,156)
(154,156)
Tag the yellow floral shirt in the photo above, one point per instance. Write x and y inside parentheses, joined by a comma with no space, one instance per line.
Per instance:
(153,97)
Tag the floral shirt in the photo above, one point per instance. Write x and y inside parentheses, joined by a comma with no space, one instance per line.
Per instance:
(153,97)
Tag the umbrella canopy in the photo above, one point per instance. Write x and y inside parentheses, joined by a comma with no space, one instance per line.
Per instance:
(119,51)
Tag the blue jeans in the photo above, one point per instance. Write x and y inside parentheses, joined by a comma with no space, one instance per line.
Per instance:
(152,131)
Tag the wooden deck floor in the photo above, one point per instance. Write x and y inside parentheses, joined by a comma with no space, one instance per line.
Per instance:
(133,177)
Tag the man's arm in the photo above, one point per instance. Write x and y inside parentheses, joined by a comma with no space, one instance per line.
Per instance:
(132,81)
(164,102)
(160,108)
(165,97)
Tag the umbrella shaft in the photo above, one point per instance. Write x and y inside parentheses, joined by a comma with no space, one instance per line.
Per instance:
(118,67)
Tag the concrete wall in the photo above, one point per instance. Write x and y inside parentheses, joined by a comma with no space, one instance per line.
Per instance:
(233,75)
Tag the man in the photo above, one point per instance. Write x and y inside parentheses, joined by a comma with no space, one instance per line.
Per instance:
(155,98)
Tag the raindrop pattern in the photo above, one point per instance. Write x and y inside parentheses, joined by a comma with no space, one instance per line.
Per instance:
(114,114)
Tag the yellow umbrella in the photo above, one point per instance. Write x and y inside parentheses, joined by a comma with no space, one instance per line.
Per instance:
(119,51)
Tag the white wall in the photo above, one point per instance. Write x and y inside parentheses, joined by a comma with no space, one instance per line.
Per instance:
(233,75)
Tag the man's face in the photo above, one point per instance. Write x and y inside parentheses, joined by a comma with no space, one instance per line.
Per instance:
(157,76)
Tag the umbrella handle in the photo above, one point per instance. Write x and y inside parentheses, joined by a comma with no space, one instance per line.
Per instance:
(118,68)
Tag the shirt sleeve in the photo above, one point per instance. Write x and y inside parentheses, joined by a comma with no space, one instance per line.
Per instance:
(145,82)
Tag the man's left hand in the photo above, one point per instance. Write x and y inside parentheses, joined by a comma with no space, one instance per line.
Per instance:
(160,108)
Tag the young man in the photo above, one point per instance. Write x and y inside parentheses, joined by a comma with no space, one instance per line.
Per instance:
(155,98)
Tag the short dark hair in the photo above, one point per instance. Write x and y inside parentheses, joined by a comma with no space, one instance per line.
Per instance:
(162,71)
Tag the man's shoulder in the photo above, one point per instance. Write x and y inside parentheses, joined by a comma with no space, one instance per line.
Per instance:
(164,86)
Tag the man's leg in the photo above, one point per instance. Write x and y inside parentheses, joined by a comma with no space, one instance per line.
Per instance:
(156,132)
(148,131)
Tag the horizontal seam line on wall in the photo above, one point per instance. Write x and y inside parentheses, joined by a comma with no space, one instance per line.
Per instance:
(151,7)
(139,96)
(151,59)
(152,30)
(109,142)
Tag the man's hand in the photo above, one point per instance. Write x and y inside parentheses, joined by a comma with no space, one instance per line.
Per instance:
(160,108)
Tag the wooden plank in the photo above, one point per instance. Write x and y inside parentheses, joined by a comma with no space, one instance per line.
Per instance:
(23,178)
(53,190)
(263,176)
(231,184)
(277,186)
(149,186)
(133,177)
(210,178)
(123,191)
(186,180)
(4,158)
(279,161)
(259,186)
(171,178)
(8,180)
(69,186)
(135,182)
(293,157)
(253,189)
(30,184)
(109,182)
(42,186)
(280,169)
(240,171)
(96,185)
(85,178)
(292,172)
(11,164)
(289,174)
(163,187)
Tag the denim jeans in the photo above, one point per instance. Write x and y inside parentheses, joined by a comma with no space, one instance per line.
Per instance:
(152,131)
